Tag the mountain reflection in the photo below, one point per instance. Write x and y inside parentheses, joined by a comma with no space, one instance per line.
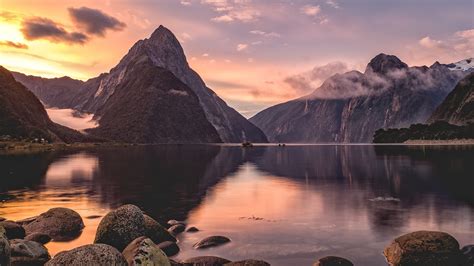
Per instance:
(310,195)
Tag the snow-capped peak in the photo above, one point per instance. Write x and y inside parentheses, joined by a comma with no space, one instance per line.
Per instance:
(464,65)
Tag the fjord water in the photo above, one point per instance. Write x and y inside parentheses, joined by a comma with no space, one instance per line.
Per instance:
(286,205)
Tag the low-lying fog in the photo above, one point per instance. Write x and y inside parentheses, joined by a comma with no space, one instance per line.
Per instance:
(71,118)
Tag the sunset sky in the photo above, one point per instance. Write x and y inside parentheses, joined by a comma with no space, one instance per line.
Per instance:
(253,53)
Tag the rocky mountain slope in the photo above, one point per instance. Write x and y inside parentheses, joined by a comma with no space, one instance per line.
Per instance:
(458,107)
(164,51)
(350,107)
(151,105)
(23,116)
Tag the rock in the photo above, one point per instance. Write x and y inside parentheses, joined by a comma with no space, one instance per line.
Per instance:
(333,261)
(176,229)
(94,254)
(211,241)
(26,220)
(175,222)
(206,261)
(424,248)
(93,217)
(142,251)
(156,232)
(2,219)
(38,237)
(468,252)
(25,252)
(13,230)
(175,263)
(120,227)
(248,263)
(192,229)
(169,248)
(61,224)
(5,250)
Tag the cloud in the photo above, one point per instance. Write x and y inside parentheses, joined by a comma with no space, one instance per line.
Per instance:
(429,43)
(236,10)
(311,10)
(184,37)
(333,3)
(8,16)
(14,44)
(43,28)
(205,55)
(94,21)
(242,46)
(185,2)
(223,18)
(265,34)
(310,80)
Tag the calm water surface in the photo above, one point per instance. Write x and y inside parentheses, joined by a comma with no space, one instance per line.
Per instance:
(287,205)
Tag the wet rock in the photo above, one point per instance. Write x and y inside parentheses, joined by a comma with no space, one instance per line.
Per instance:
(175,222)
(61,224)
(192,229)
(142,251)
(176,229)
(248,263)
(156,232)
(2,219)
(38,237)
(5,250)
(169,248)
(91,217)
(424,248)
(120,227)
(175,263)
(13,230)
(206,261)
(26,220)
(94,254)
(25,252)
(333,261)
(468,252)
(211,241)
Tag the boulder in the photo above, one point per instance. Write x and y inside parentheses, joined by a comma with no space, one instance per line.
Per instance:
(13,230)
(206,261)
(468,252)
(94,254)
(38,237)
(169,248)
(120,227)
(26,220)
(248,263)
(192,229)
(424,248)
(156,232)
(142,251)
(333,261)
(211,241)
(5,250)
(176,229)
(2,219)
(174,222)
(25,252)
(61,224)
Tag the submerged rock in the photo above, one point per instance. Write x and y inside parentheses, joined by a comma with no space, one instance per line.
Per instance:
(333,261)
(5,250)
(206,261)
(61,224)
(38,237)
(94,254)
(169,248)
(211,241)
(248,263)
(156,232)
(121,226)
(468,252)
(192,229)
(25,252)
(142,251)
(176,229)
(424,248)
(13,230)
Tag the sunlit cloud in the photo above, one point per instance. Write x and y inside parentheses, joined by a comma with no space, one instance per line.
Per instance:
(242,46)
(37,28)
(14,44)
(311,10)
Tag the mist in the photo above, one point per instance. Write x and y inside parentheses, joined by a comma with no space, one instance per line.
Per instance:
(71,118)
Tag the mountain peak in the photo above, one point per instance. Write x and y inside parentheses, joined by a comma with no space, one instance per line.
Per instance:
(384,63)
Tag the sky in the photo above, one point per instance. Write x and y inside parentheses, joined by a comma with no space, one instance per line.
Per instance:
(252,53)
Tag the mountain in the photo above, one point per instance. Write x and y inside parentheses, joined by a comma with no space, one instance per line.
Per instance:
(162,50)
(56,92)
(151,105)
(350,107)
(458,107)
(465,65)
(23,116)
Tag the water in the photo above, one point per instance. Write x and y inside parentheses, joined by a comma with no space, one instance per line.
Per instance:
(286,205)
